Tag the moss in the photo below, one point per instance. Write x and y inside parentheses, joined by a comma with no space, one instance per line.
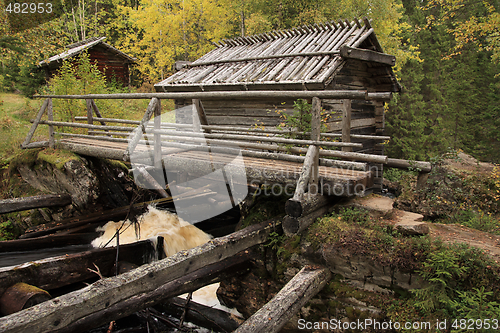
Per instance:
(118,164)
(265,208)
(57,157)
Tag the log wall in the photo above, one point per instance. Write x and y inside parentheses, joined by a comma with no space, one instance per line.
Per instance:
(108,62)
(367,116)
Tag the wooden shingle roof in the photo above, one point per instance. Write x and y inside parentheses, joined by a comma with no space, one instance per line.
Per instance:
(79,47)
(298,58)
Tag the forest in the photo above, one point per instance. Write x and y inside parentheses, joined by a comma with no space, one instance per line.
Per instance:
(448,54)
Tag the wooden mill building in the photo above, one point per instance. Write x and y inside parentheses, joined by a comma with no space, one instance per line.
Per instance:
(113,63)
(333,56)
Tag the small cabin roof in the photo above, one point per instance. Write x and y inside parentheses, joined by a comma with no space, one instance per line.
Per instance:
(79,47)
(306,57)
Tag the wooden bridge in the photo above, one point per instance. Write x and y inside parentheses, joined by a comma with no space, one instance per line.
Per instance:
(311,168)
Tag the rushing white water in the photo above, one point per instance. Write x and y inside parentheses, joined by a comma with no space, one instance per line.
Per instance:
(178,235)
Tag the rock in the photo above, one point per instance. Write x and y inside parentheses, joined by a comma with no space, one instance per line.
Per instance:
(411,224)
(374,203)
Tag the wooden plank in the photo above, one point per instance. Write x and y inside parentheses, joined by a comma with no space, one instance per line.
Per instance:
(37,201)
(288,301)
(56,272)
(67,309)
(187,283)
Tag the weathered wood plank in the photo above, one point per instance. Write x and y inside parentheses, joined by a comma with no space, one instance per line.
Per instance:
(346,123)
(207,275)
(294,295)
(332,94)
(408,164)
(60,271)
(44,242)
(367,55)
(37,201)
(65,310)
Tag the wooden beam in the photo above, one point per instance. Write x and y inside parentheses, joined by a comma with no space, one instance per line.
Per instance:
(50,117)
(309,203)
(287,302)
(190,282)
(157,137)
(46,242)
(35,122)
(409,164)
(367,55)
(61,312)
(147,116)
(200,111)
(315,136)
(56,272)
(37,201)
(201,315)
(295,225)
(305,174)
(346,123)
(293,94)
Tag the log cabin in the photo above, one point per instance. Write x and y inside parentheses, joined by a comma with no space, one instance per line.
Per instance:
(113,63)
(339,55)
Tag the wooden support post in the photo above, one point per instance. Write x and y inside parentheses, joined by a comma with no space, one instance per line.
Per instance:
(68,309)
(149,179)
(50,117)
(422,180)
(295,225)
(294,295)
(200,111)
(310,202)
(346,123)
(35,123)
(157,137)
(315,136)
(90,114)
(305,176)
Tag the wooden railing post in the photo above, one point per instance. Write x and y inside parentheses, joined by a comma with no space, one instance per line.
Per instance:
(50,117)
(90,114)
(346,123)
(200,111)
(35,123)
(315,136)
(142,126)
(157,135)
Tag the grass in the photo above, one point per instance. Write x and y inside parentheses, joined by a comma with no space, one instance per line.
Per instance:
(15,113)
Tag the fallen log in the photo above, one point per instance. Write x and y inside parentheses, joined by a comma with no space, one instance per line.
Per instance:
(37,201)
(295,225)
(117,213)
(45,242)
(294,295)
(63,311)
(56,272)
(187,283)
(201,315)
